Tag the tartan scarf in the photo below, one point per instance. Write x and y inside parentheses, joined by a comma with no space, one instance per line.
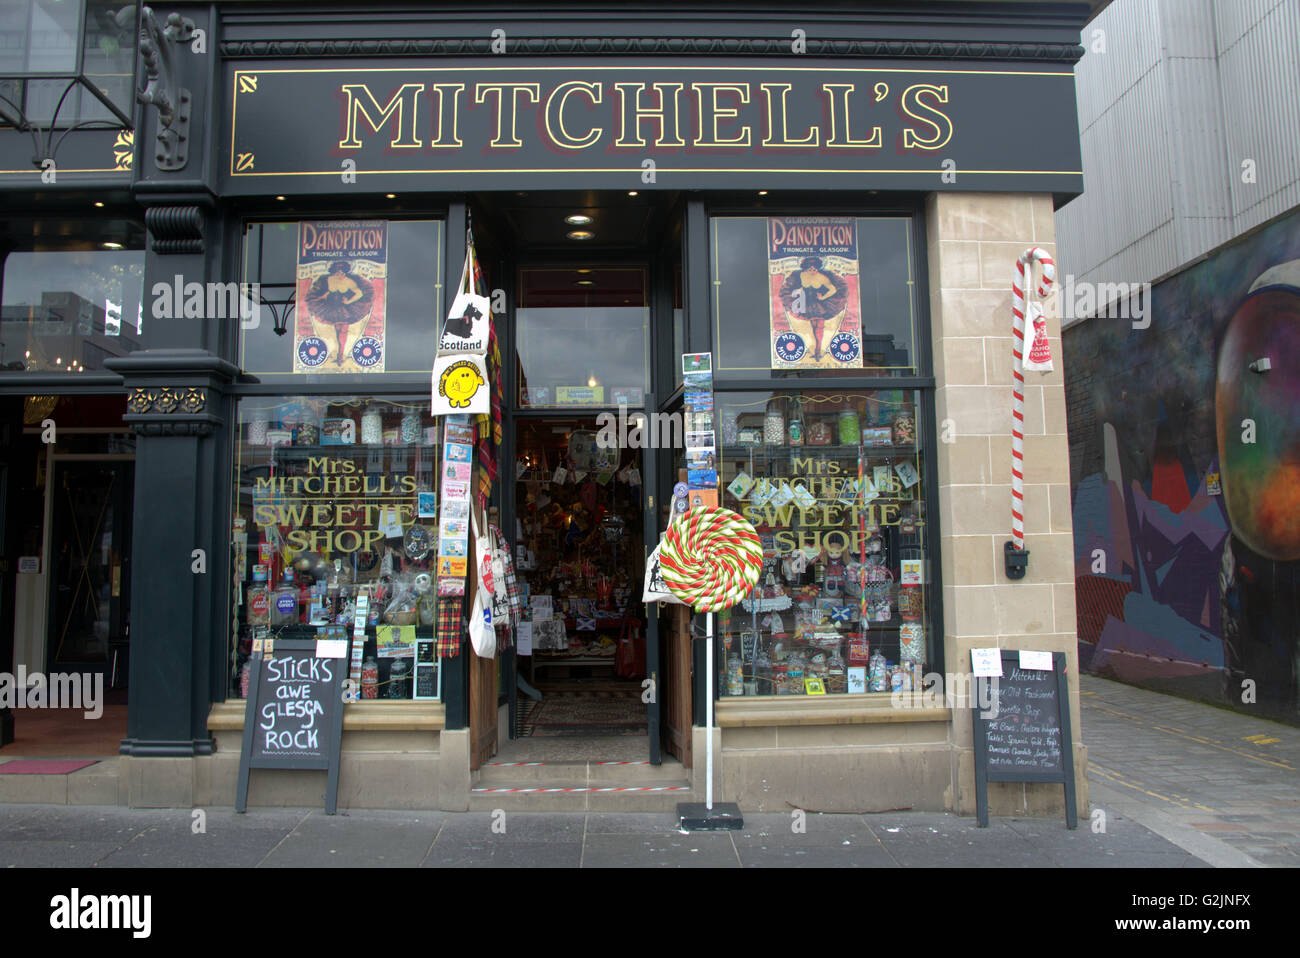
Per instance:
(449,626)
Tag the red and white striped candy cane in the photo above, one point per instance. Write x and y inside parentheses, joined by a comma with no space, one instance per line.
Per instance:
(1018,287)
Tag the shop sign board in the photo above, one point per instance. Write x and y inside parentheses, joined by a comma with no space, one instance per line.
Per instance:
(1022,733)
(294,716)
(647,124)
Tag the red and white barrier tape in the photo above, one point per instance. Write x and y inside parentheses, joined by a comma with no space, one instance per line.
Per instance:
(589,788)
(1018,296)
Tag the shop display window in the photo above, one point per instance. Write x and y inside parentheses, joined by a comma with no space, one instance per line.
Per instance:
(342,300)
(813,296)
(336,509)
(69,310)
(582,337)
(833,482)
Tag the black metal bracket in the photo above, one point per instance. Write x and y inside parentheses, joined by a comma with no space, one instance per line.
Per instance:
(1017,560)
(163,90)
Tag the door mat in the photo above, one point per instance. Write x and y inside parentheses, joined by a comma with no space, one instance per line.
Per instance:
(590,731)
(586,715)
(20,766)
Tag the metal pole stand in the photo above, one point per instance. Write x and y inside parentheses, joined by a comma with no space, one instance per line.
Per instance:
(705,816)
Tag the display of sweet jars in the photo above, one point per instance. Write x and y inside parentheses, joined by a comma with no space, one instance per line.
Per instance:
(774,425)
(910,603)
(372,428)
(399,679)
(730,428)
(848,428)
(819,432)
(735,676)
(879,677)
(905,428)
(259,606)
(911,642)
(410,428)
(370,678)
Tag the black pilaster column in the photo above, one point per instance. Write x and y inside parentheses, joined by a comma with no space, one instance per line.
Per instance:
(178,615)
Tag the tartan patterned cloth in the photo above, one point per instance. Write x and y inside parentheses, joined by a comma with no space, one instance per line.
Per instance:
(450,626)
(513,593)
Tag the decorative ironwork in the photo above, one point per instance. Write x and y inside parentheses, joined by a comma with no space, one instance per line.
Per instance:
(124,150)
(164,400)
(162,89)
(627,46)
(193,401)
(140,400)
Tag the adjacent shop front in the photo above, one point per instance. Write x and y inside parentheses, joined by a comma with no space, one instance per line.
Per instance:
(777,284)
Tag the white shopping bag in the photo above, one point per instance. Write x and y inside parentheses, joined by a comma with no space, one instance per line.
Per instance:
(469,319)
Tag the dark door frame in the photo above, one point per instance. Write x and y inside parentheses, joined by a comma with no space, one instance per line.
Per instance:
(658,261)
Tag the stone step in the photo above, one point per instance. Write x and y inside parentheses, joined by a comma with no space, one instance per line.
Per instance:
(572,797)
(581,773)
(96,784)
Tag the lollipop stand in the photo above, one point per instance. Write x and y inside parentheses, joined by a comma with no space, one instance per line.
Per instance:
(705,816)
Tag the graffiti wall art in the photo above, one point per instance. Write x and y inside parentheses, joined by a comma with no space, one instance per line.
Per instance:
(1185,475)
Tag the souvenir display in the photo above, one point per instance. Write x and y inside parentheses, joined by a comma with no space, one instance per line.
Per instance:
(581,542)
(337,542)
(834,501)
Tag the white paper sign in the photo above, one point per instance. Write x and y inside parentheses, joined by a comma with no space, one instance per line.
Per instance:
(1040,661)
(524,638)
(541,607)
(331,648)
(857,679)
(986,662)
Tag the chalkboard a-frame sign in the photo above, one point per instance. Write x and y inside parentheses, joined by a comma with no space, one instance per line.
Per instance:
(1025,737)
(294,717)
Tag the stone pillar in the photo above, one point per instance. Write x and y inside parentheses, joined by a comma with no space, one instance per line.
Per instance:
(973,241)
(175,407)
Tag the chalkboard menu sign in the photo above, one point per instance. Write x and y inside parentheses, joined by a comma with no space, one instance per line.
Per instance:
(294,717)
(1022,731)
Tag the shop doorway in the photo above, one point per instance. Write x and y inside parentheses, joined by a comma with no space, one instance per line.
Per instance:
(68,497)
(592,323)
(580,554)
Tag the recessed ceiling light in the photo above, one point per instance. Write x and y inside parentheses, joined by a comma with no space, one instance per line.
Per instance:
(633,193)
(584,271)
(99,203)
(580,235)
(280,198)
(111,245)
(391,196)
(585,282)
(762,192)
(578,219)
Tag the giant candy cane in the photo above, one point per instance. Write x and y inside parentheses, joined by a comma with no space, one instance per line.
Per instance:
(1023,274)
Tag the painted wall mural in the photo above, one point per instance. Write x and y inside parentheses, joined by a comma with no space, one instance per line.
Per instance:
(1185,474)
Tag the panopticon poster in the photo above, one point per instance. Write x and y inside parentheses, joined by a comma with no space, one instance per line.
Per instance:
(342,295)
(812,270)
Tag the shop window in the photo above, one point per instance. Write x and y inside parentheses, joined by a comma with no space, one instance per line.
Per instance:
(66,62)
(68,310)
(834,483)
(813,296)
(342,300)
(582,336)
(334,505)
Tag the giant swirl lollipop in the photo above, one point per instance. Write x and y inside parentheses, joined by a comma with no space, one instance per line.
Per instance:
(711,558)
